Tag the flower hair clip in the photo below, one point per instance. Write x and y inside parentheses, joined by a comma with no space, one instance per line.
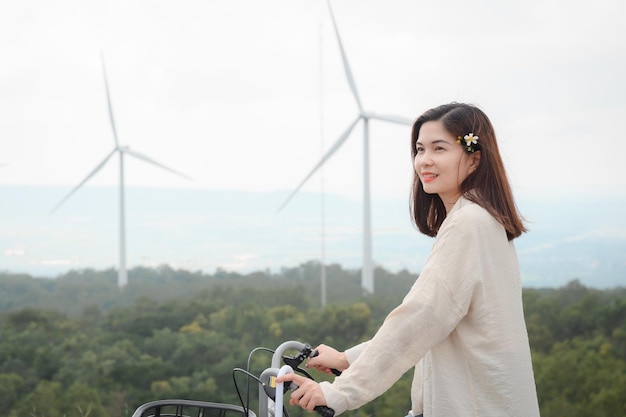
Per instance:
(469,142)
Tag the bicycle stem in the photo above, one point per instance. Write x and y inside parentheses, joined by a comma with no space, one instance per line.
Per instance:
(265,403)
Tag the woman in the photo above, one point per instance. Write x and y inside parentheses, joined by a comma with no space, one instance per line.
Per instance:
(461,326)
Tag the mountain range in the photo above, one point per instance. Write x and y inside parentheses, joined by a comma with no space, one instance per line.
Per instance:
(572,235)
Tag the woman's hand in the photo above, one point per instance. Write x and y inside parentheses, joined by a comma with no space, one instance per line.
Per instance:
(328,358)
(308,395)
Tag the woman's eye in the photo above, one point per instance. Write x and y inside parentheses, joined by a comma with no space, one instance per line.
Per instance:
(419,149)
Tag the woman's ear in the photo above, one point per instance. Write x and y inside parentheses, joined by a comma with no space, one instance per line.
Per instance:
(474,160)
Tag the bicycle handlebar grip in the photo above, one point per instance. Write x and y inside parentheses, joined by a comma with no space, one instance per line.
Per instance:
(336,372)
(324,411)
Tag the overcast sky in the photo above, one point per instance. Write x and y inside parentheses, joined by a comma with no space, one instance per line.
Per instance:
(248,95)
(245,94)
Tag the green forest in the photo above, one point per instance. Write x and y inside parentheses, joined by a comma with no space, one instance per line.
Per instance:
(78,346)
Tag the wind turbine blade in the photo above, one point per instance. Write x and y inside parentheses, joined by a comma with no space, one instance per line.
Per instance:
(91,174)
(326,156)
(390,118)
(153,162)
(106,86)
(346,65)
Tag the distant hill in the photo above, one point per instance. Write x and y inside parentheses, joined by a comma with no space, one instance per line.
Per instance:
(572,235)
(85,291)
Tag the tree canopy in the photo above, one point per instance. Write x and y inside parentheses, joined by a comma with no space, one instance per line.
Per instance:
(79,346)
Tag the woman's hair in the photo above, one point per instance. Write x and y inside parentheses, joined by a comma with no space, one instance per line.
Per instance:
(487,186)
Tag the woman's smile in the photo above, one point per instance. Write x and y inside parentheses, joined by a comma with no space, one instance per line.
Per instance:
(428,176)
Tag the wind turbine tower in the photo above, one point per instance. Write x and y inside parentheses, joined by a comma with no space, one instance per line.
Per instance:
(122,274)
(367,271)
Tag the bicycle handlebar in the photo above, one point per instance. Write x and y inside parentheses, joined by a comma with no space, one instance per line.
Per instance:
(280,390)
(270,389)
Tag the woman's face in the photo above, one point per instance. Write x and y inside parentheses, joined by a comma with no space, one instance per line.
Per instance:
(441,163)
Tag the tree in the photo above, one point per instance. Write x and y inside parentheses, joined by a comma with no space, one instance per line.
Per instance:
(11,389)
(581,377)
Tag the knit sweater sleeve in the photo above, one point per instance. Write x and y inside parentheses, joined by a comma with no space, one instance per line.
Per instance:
(438,300)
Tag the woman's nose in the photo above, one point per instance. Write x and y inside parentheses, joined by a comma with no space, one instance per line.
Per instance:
(423,159)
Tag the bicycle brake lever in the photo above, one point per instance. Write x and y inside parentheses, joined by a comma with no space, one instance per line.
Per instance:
(295,365)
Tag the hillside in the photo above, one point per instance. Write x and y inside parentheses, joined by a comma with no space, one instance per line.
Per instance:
(82,347)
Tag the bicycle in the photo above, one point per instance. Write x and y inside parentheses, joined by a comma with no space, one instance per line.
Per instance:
(270,394)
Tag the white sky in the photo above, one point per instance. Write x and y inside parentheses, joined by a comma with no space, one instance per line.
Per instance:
(246,95)
(234,93)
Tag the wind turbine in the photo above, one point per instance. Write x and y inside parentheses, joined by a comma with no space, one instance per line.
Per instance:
(122,275)
(367,272)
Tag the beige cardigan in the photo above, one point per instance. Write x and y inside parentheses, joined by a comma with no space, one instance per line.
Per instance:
(461,326)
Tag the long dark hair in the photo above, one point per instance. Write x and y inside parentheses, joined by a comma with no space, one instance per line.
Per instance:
(487,186)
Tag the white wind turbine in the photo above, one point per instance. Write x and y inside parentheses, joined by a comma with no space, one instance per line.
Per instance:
(367,272)
(122,275)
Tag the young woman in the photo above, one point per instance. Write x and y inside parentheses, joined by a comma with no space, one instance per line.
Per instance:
(461,326)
